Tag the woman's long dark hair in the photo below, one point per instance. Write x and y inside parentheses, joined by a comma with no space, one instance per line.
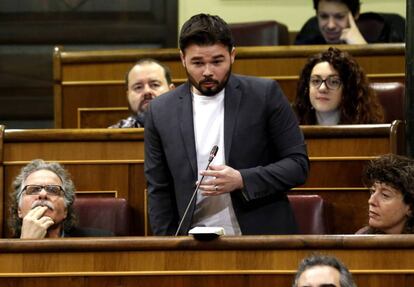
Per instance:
(359,104)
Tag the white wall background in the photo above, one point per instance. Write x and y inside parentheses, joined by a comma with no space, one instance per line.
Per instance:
(293,13)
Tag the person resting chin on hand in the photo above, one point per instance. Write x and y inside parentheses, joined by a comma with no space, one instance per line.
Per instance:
(35,224)
(42,204)
(352,35)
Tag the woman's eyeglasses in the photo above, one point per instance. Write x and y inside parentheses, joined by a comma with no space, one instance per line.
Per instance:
(331,82)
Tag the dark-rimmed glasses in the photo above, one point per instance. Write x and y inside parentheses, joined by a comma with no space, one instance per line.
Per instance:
(331,82)
(51,189)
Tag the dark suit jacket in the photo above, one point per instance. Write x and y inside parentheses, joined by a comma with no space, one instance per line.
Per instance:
(84,232)
(87,232)
(262,140)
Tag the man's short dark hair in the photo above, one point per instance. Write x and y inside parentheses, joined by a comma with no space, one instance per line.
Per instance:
(205,29)
(345,278)
(167,72)
(353,5)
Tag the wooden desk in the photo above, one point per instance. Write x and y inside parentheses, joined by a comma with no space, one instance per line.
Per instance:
(101,117)
(96,78)
(103,162)
(112,160)
(375,261)
(338,155)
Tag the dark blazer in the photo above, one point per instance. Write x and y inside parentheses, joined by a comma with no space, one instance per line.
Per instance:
(87,232)
(83,232)
(262,140)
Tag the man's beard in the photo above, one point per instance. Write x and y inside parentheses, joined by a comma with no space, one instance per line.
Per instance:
(143,105)
(209,91)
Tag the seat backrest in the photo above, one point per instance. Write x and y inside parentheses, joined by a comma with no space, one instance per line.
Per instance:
(381,27)
(371,26)
(260,33)
(108,213)
(311,213)
(391,96)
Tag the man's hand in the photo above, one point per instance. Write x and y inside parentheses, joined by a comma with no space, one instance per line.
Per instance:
(34,224)
(224,179)
(352,35)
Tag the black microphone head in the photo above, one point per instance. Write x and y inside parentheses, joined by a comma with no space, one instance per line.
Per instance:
(213,153)
(214,150)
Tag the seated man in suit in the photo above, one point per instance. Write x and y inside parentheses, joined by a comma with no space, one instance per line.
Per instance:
(320,270)
(339,22)
(42,203)
(146,80)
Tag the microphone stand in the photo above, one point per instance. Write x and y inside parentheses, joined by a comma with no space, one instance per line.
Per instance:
(210,159)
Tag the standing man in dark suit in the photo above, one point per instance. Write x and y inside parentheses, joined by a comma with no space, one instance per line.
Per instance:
(261,148)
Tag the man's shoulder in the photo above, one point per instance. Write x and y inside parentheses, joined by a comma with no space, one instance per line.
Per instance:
(246,81)
(250,79)
(171,95)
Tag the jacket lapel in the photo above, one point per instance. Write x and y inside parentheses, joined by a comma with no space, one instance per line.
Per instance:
(232,100)
(185,111)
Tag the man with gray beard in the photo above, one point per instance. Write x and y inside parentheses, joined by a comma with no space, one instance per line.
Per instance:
(42,203)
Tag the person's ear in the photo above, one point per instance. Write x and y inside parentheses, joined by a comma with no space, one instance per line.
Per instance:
(19,212)
(233,54)
(171,86)
(182,56)
(356,16)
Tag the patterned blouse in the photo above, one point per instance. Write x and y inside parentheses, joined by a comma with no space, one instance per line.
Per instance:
(133,121)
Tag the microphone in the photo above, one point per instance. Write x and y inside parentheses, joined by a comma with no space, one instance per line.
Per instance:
(213,153)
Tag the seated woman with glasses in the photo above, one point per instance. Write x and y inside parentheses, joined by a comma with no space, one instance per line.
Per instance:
(390,179)
(333,89)
(42,203)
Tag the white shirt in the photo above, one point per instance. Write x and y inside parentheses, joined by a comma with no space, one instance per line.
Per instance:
(208,116)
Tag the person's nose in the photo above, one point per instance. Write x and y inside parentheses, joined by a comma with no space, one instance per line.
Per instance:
(323,87)
(43,194)
(148,91)
(207,71)
(372,199)
(331,23)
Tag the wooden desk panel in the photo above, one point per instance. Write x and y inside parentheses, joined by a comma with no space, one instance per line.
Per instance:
(96,78)
(375,261)
(338,155)
(99,160)
(112,160)
(91,98)
(101,117)
(201,279)
(260,61)
(83,95)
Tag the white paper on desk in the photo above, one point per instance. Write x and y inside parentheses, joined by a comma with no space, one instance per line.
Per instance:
(207,232)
